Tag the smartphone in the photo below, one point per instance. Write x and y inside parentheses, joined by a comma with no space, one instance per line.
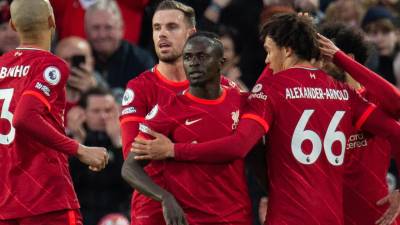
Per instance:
(77,60)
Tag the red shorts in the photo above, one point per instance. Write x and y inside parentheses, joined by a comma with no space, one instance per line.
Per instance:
(62,217)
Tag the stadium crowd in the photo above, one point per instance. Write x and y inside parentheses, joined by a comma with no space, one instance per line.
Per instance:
(109,44)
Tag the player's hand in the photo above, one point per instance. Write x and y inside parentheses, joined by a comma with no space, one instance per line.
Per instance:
(95,157)
(393,199)
(173,213)
(327,47)
(82,78)
(157,149)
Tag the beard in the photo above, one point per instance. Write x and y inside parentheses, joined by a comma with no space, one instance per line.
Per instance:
(169,58)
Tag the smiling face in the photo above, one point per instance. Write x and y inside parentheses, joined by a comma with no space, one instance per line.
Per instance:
(170,31)
(201,62)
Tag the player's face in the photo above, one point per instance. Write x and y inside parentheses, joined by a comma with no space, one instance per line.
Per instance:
(275,55)
(170,31)
(99,109)
(200,62)
(104,31)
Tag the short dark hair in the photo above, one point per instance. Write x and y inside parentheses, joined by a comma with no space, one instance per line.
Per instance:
(83,101)
(349,39)
(187,11)
(293,31)
(212,38)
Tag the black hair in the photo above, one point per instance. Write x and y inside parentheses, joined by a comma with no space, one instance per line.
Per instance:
(212,38)
(349,39)
(294,31)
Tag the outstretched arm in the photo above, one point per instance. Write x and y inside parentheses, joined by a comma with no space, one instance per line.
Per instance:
(221,150)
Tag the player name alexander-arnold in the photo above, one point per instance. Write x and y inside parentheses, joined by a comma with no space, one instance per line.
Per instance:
(15,71)
(316,93)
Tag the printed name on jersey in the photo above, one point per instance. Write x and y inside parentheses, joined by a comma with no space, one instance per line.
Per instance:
(316,93)
(15,71)
(52,75)
(152,113)
(43,88)
(356,141)
(129,95)
(128,110)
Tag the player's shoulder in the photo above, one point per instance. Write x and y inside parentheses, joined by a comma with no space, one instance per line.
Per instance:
(144,79)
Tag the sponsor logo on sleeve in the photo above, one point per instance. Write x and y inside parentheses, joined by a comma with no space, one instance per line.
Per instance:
(52,75)
(143,128)
(128,110)
(257,93)
(129,95)
(43,88)
(152,113)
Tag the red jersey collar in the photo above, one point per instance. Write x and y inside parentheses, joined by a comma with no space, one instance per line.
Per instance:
(167,81)
(217,101)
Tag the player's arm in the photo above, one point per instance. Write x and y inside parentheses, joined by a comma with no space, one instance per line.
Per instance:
(226,149)
(387,95)
(133,112)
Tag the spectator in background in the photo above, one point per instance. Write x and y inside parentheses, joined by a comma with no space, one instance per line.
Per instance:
(232,50)
(95,122)
(349,12)
(78,55)
(8,37)
(70,17)
(115,59)
(380,31)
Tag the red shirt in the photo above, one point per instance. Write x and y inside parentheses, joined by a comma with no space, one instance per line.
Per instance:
(208,193)
(309,116)
(367,156)
(34,178)
(141,95)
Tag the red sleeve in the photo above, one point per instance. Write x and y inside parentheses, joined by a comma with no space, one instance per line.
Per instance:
(28,118)
(134,109)
(388,96)
(378,123)
(235,146)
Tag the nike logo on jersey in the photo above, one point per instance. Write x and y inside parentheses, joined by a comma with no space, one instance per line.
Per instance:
(190,122)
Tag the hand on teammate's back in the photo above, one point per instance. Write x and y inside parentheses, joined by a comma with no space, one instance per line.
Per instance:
(393,199)
(95,157)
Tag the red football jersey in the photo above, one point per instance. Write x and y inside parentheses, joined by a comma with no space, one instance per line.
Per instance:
(141,95)
(309,116)
(208,193)
(34,178)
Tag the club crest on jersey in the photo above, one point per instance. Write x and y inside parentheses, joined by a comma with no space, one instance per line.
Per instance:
(257,88)
(152,113)
(52,75)
(129,95)
(235,118)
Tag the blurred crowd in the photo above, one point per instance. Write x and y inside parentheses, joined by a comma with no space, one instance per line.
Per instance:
(108,42)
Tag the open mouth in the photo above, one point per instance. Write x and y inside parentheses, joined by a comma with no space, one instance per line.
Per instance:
(195,74)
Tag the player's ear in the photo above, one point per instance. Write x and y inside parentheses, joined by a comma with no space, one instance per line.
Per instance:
(288,52)
(51,22)
(12,25)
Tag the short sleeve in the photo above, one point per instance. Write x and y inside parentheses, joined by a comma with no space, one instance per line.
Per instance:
(157,120)
(259,105)
(48,80)
(134,102)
